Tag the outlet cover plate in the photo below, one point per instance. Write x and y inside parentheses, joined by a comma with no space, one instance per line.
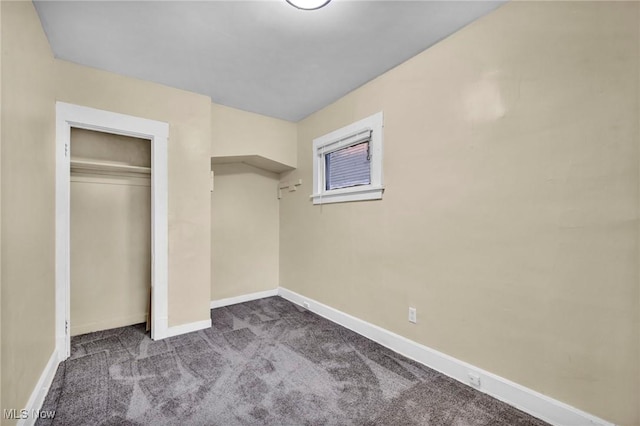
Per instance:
(413,316)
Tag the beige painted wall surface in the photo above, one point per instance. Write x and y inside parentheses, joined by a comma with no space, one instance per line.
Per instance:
(244,231)
(1,207)
(189,118)
(510,217)
(110,253)
(235,133)
(109,148)
(110,235)
(27,203)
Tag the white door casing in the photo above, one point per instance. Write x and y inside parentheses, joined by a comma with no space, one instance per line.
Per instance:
(68,116)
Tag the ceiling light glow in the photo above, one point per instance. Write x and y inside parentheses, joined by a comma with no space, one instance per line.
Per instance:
(308,4)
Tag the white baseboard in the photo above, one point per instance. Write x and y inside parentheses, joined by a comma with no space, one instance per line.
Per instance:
(40,391)
(187,328)
(525,399)
(244,298)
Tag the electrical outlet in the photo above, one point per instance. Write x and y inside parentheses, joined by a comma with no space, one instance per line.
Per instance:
(413,315)
(474,379)
(306,305)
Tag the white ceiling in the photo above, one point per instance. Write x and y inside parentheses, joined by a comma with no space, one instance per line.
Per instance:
(260,56)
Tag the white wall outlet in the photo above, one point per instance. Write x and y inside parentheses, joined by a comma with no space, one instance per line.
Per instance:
(474,379)
(306,305)
(413,316)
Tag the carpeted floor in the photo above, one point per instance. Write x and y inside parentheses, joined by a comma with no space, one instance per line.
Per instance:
(262,362)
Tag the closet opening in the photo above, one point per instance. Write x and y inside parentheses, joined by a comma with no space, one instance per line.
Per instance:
(110,231)
(97,166)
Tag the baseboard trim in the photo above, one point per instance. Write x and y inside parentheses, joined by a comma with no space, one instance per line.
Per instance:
(40,391)
(244,298)
(525,399)
(187,328)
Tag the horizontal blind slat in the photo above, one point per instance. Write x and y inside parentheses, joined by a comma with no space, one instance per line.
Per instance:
(348,166)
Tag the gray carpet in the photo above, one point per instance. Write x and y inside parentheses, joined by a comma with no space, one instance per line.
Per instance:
(262,362)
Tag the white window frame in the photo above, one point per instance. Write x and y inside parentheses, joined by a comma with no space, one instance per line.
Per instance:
(370,129)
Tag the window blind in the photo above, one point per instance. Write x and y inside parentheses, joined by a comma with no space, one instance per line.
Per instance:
(348,166)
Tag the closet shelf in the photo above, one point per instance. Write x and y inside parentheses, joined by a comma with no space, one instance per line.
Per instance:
(103,167)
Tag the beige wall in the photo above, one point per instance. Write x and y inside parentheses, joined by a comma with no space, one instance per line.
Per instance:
(244,204)
(244,231)
(110,234)
(88,145)
(110,253)
(236,133)
(27,203)
(189,118)
(510,217)
(1,405)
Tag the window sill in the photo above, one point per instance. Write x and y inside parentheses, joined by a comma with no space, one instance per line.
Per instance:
(348,194)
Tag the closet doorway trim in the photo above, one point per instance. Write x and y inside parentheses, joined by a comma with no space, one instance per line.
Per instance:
(68,116)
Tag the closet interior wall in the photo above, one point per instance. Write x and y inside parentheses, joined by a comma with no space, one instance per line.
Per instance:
(110,231)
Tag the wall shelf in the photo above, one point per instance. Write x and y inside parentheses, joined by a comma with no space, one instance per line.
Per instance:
(107,168)
(258,161)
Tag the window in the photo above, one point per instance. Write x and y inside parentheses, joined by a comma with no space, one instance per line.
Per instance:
(347,163)
(348,167)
